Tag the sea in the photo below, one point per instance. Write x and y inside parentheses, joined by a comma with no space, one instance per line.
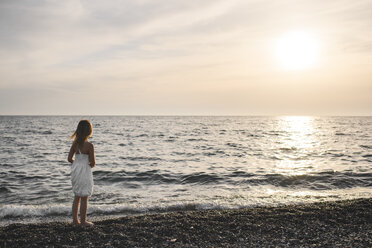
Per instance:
(158,164)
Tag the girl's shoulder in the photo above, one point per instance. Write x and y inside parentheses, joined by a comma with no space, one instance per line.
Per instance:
(89,144)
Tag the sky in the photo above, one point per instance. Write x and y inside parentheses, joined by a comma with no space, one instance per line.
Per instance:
(173,57)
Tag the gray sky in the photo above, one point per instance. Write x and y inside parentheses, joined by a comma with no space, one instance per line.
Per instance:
(169,57)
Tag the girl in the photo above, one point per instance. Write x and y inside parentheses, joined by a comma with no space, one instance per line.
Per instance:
(81,172)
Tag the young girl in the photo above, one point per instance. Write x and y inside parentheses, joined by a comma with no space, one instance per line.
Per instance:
(81,172)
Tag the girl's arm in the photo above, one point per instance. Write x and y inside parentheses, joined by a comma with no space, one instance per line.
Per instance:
(92,159)
(71,154)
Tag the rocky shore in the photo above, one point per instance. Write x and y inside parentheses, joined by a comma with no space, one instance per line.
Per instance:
(345,223)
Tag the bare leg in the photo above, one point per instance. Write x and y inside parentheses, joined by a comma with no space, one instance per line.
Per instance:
(83,212)
(75,209)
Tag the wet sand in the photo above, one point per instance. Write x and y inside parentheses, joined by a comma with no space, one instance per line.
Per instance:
(345,223)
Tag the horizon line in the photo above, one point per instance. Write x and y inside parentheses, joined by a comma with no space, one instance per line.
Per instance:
(178,115)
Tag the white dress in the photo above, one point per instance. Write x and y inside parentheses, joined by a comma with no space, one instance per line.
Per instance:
(81,175)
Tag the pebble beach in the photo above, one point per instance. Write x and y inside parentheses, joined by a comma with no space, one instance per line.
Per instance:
(346,223)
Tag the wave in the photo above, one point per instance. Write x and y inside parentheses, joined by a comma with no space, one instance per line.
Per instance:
(318,181)
(288,149)
(30,131)
(31,211)
(142,135)
(200,178)
(196,139)
(9,211)
(341,133)
(4,189)
(151,177)
(366,146)
(140,158)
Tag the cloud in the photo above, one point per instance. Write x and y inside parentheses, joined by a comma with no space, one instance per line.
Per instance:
(62,33)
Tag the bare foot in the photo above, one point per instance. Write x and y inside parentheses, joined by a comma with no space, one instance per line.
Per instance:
(87,223)
(75,223)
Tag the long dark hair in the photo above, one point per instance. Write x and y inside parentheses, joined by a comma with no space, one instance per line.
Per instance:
(83,132)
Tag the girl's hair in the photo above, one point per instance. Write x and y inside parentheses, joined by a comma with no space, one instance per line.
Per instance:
(82,133)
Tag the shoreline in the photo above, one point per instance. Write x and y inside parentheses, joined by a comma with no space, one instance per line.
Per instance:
(346,223)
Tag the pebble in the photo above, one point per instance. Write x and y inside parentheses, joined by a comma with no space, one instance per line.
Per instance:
(329,224)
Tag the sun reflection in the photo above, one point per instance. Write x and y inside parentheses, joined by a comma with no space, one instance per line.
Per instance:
(300,130)
(295,145)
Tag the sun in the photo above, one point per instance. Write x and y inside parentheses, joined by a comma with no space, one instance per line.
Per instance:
(297,50)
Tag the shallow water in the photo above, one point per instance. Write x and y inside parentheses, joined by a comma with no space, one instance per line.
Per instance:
(161,164)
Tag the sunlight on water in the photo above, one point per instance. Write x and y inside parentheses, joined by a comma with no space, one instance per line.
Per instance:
(295,145)
(300,129)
